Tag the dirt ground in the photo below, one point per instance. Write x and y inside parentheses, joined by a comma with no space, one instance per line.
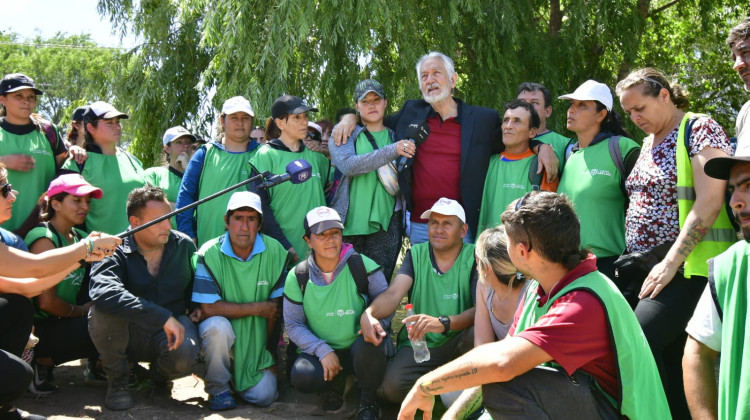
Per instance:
(76,400)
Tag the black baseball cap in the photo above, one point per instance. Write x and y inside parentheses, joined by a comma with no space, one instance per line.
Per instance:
(17,81)
(720,167)
(102,110)
(78,113)
(288,104)
(366,86)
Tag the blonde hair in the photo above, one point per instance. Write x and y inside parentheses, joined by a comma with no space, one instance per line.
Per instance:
(491,252)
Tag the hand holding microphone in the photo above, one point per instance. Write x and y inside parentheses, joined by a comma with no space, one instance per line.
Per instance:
(415,133)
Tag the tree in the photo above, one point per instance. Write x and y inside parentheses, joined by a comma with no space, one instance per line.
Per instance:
(71,70)
(320,49)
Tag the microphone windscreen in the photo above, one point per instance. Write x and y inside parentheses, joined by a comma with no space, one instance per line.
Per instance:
(417,132)
(299,170)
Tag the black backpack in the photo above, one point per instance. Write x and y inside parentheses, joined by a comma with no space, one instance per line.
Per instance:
(356,267)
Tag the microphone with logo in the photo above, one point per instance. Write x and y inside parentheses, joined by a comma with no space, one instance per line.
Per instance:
(297,171)
(416,133)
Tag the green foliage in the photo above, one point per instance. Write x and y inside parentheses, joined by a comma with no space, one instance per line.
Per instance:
(71,70)
(319,49)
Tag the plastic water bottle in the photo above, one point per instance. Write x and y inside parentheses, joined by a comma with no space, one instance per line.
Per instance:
(421,352)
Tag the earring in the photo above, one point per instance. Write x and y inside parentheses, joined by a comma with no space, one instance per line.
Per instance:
(519,276)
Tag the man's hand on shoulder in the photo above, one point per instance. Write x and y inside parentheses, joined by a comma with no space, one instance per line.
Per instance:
(548,162)
(175,333)
(344,129)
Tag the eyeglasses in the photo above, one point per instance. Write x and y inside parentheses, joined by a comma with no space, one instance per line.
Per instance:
(520,204)
(6,189)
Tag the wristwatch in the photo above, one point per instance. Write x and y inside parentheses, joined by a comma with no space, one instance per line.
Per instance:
(446,323)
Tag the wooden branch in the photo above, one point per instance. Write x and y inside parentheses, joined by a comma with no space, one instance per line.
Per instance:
(664,7)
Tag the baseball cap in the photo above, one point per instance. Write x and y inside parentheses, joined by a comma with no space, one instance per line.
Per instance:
(242,199)
(102,110)
(314,126)
(17,81)
(366,86)
(288,104)
(720,167)
(320,219)
(237,104)
(78,113)
(72,184)
(446,207)
(591,90)
(176,132)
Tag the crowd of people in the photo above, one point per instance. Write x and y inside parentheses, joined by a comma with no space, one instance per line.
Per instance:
(549,277)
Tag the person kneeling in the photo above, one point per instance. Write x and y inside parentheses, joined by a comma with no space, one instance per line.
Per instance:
(324,298)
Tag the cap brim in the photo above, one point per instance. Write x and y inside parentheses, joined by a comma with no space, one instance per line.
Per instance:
(302,108)
(362,96)
(720,167)
(325,225)
(16,89)
(190,136)
(114,114)
(86,190)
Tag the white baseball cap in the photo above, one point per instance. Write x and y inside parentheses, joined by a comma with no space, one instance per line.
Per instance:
(314,126)
(237,104)
(320,219)
(242,199)
(591,90)
(446,207)
(174,133)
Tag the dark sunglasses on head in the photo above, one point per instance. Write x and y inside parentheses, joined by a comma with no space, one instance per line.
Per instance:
(314,135)
(6,189)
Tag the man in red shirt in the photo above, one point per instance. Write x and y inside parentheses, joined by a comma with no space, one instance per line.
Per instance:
(575,349)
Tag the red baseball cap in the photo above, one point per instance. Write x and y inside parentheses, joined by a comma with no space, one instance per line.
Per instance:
(72,184)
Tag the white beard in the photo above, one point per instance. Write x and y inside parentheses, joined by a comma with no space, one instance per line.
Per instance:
(437,97)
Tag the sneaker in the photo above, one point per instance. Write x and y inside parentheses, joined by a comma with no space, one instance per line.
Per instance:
(16,414)
(162,388)
(223,401)
(40,384)
(94,375)
(334,402)
(118,397)
(369,411)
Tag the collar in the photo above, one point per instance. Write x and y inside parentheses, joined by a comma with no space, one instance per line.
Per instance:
(226,247)
(509,157)
(175,172)
(277,144)
(538,136)
(19,130)
(603,135)
(129,246)
(585,267)
(435,267)
(459,111)
(93,148)
(251,145)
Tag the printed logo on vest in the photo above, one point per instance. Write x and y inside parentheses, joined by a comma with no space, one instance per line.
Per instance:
(595,172)
(514,186)
(341,312)
(453,296)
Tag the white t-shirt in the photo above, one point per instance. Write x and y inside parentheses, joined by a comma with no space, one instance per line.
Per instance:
(743,131)
(705,325)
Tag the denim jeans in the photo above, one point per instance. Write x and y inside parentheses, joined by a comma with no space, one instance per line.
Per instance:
(217,338)
(119,341)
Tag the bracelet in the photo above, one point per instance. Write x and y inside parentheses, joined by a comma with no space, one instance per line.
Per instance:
(89,247)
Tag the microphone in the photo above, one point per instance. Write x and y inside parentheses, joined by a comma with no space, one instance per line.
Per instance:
(297,171)
(416,133)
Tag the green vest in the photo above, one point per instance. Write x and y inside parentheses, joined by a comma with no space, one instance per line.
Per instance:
(592,182)
(505,182)
(729,275)
(68,288)
(221,169)
(642,395)
(333,310)
(116,176)
(32,184)
(291,202)
(721,236)
(370,205)
(162,177)
(439,294)
(247,282)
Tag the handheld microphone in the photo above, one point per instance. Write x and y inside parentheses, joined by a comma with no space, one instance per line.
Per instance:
(416,133)
(297,171)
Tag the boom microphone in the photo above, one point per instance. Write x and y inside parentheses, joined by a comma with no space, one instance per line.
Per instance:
(297,171)
(416,133)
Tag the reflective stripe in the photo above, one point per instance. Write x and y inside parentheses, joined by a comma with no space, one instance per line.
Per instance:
(686,193)
(721,235)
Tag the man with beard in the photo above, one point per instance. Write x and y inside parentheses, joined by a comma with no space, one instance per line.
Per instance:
(739,43)
(721,316)
(453,161)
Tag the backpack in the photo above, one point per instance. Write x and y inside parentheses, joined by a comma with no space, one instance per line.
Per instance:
(50,133)
(356,267)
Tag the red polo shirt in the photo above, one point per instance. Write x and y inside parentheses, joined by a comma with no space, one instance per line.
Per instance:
(437,165)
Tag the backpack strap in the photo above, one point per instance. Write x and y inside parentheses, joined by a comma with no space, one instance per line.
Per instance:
(370,138)
(202,260)
(51,134)
(359,273)
(616,154)
(712,288)
(302,272)
(535,178)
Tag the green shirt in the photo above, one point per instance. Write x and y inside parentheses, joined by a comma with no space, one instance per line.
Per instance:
(165,178)
(291,202)
(247,282)
(437,294)
(592,182)
(68,288)
(116,176)
(558,142)
(333,310)
(370,205)
(32,184)
(506,180)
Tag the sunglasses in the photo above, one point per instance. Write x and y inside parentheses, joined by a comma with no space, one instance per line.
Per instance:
(314,135)
(6,189)
(520,204)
